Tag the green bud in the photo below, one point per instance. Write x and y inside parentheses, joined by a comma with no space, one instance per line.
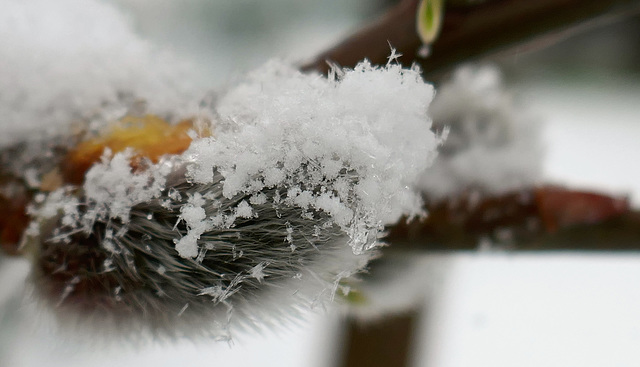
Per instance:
(429,19)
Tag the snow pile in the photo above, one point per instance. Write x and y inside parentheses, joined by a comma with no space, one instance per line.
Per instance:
(351,146)
(493,144)
(66,60)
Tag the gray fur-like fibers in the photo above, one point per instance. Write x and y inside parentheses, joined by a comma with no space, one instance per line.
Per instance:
(255,273)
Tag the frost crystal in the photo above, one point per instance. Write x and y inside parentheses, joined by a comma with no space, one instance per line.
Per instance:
(258,271)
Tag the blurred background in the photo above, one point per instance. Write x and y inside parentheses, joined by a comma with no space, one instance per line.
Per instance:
(481,309)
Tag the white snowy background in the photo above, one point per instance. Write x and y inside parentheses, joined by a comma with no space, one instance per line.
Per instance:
(494,309)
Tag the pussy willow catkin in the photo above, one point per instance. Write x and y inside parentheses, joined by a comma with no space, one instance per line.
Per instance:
(266,213)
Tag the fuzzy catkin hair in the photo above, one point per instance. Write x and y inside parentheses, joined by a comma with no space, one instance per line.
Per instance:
(130,278)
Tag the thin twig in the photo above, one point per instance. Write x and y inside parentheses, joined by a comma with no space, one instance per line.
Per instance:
(541,219)
(473,31)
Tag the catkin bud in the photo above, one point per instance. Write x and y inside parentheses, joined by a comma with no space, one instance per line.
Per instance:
(129,277)
(263,217)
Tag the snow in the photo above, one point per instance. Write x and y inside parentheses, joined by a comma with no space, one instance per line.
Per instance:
(111,187)
(70,60)
(352,146)
(535,310)
(493,140)
(258,271)
(243,210)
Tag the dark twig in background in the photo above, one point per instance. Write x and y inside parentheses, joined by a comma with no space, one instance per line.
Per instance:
(472,31)
(540,219)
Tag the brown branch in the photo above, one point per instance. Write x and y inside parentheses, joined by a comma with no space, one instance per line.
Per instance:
(472,31)
(540,219)
(397,27)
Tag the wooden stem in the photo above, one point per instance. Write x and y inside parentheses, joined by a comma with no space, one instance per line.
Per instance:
(546,218)
(471,32)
